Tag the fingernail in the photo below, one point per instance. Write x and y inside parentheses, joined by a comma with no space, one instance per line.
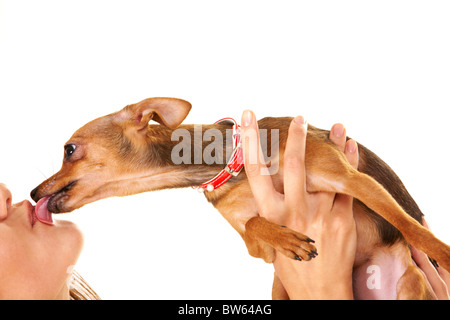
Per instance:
(247,118)
(299,120)
(338,130)
(351,146)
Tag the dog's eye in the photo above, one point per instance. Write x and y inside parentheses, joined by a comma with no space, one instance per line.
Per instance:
(69,149)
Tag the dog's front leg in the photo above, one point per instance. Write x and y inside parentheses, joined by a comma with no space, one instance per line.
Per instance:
(292,244)
(261,236)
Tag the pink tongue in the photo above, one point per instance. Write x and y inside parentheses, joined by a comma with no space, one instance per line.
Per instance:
(42,212)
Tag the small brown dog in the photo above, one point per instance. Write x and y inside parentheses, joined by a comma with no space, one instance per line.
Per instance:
(121,154)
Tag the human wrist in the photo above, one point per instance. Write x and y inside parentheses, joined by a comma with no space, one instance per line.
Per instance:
(340,289)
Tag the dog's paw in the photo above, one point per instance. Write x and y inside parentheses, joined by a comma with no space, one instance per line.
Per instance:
(295,245)
(286,241)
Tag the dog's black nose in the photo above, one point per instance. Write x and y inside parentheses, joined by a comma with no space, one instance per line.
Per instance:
(33,194)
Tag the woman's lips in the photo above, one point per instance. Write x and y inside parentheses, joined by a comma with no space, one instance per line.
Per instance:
(42,213)
(32,214)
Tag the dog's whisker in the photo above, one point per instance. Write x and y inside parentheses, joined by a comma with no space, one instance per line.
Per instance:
(42,173)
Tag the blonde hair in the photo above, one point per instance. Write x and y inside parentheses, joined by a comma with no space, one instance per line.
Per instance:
(79,289)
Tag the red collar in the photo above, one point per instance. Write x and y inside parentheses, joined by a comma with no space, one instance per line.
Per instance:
(234,165)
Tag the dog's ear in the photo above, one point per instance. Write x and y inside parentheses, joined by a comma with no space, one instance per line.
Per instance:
(169,112)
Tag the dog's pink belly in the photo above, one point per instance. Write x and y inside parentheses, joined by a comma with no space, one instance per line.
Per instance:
(377,278)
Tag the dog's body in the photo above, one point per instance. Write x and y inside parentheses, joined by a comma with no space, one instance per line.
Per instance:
(120,154)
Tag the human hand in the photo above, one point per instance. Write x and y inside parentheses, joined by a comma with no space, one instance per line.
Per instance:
(438,278)
(325,217)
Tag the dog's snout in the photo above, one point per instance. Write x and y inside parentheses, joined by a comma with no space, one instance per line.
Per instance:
(33,194)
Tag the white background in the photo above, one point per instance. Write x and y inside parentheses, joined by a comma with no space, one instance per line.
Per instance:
(380,67)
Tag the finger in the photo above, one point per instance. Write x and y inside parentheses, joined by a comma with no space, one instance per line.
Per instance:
(338,136)
(294,163)
(444,274)
(351,152)
(343,202)
(258,176)
(425,223)
(436,282)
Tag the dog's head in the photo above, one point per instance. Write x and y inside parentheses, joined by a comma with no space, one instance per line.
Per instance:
(106,156)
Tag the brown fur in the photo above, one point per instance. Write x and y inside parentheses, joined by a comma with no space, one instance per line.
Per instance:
(120,155)
(413,286)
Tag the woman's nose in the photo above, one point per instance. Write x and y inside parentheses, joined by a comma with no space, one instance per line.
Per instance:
(5,201)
